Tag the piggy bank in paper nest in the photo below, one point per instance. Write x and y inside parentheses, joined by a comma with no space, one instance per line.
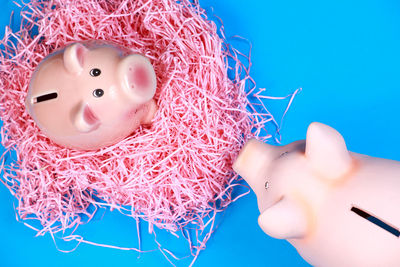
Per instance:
(90,95)
(337,208)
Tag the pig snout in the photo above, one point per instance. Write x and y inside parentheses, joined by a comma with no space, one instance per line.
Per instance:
(137,77)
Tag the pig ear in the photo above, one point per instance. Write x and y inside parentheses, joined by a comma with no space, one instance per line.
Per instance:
(326,151)
(284,220)
(138,78)
(74,57)
(84,119)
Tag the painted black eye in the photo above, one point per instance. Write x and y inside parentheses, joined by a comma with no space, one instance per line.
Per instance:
(98,93)
(95,72)
(283,154)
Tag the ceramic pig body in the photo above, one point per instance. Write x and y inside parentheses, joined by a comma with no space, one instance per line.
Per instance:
(336,207)
(90,95)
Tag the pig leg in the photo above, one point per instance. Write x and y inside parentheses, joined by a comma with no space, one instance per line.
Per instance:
(284,220)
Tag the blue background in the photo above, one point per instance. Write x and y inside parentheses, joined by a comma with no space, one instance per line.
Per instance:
(344,54)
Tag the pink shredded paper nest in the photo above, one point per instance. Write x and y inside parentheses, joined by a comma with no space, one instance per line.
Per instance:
(170,174)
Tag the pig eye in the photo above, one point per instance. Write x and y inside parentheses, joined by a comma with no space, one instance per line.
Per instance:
(98,93)
(266,185)
(95,72)
(283,154)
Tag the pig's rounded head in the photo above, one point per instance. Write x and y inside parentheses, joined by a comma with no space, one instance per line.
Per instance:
(298,176)
(90,95)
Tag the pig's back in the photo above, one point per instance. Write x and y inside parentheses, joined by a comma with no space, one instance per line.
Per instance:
(342,236)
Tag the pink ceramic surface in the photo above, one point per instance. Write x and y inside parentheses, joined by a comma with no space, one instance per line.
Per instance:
(90,95)
(322,199)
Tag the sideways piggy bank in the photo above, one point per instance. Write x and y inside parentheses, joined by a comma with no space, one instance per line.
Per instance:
(90,95)
(337,208)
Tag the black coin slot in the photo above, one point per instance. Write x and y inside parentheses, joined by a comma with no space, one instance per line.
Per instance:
(376,221)
(45,97)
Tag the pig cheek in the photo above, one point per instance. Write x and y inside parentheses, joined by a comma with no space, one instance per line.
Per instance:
(274,192)
(133,116)
(282,179)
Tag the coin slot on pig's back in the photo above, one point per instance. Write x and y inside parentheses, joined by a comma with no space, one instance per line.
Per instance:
(378,222)
(45,97)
